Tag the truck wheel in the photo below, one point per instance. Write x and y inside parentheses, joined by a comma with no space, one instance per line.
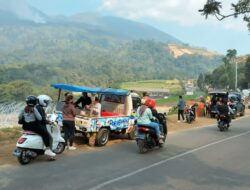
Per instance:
(102,137)
(92,140)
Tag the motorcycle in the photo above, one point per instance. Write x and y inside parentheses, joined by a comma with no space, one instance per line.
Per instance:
(223,122)
(190,113)
(30,144)
(146,137)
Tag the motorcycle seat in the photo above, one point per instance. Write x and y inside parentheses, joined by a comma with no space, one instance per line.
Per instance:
(29,132)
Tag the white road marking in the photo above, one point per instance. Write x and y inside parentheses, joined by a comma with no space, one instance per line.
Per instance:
(101,185)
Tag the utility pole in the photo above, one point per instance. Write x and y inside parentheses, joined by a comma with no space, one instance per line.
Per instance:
(236,73)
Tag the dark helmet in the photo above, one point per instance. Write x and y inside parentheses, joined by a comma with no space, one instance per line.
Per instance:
(31,100)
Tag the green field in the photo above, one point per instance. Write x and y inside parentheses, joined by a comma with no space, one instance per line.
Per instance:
(173,86)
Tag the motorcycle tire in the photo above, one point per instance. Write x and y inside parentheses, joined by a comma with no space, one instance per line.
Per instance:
(60,148)
(23,159)
(188,119)
(221,126)
(142,148)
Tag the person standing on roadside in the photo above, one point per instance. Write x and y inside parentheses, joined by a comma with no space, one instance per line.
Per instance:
(69,113)
(181,106)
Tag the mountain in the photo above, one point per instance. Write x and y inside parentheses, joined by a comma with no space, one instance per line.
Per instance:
(90,49)
(123,28)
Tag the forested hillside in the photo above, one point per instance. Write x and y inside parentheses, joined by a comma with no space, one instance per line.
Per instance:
(74,52)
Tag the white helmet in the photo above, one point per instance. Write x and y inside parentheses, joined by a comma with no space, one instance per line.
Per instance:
(44,100)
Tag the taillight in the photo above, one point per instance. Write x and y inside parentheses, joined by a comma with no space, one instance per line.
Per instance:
(143,129)
(22,140)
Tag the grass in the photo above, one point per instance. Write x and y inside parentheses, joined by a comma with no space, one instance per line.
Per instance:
(173,99)
(171,85)
(10,133)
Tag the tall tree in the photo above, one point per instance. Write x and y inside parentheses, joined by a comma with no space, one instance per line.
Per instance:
(214,8)
(247,71)
(200,82)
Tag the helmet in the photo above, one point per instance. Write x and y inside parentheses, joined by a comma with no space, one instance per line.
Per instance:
(31,100)
(150,103)
(44,100)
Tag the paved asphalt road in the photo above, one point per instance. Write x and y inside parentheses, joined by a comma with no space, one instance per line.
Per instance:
(196,159)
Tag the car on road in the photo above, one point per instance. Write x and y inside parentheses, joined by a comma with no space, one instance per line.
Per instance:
(237,103)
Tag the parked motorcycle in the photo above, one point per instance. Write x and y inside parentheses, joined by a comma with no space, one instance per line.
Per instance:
(146,137)
(30,144)
(223,122)
(190,113)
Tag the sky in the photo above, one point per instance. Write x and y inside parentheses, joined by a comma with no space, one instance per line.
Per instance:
(179,18)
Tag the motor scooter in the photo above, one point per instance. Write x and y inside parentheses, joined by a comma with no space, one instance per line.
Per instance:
(223,122)
(146,137)
(190,113)
(30,144)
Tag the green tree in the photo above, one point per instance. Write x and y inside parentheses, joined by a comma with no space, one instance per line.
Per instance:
(201,82)
(16,91)
(214,8)
(247,71)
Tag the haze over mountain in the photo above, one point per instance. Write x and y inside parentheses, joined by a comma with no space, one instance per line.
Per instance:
(90,49)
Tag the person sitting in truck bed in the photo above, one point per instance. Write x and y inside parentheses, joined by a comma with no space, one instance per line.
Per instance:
(84,100)
(95,108)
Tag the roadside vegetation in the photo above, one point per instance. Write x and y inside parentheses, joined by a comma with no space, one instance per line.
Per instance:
(10,134)
(223,77)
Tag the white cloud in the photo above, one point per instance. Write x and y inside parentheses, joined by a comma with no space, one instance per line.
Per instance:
(184,12)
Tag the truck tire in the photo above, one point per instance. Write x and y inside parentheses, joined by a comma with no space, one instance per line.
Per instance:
(102,137)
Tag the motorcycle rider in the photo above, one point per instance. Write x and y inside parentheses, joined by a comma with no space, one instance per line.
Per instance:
(151,105)
(144,117)
(223,109)
(30,118)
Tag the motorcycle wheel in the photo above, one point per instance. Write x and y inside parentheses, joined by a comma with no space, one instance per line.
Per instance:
(141,146)
(227,126)
(188,120)
(221,126)
(60,148)
(23,158)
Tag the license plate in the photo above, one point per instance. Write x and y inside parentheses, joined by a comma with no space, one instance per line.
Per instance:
(17,152)
(140,136)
